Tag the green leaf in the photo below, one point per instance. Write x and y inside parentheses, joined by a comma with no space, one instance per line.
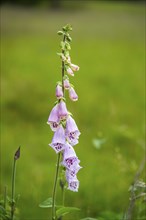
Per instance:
(60,32)
(60,54)
(65,210)
(46,204)
(69,38)
(2,210)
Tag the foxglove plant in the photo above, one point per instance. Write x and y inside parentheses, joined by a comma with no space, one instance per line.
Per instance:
(66,132)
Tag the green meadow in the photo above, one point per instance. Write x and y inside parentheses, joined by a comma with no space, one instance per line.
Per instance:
(108,45)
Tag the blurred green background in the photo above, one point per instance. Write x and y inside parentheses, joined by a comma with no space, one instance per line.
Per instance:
(108,45)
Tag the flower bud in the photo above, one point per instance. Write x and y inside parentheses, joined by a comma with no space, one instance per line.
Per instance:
(62,110)
(63,57)
(72,94)
(17,154)
(68,59)
(59,92)
(70,71)
(74,67)
(66,84)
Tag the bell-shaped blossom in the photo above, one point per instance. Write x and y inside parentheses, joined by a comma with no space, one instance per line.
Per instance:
(72,94)
(66,84)
(70,71)
(62,110)
(71,173)
(72,132)
(70,160)
(53,119)
(74,67)
(59,92)
(73,184)
(58,141)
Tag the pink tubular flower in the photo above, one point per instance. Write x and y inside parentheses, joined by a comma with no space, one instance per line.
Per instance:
(53,119)
(66,84)
(70,71)
(72,94)
(62,110)
(59,92)
(73,184)
(70,160)
(74,67)
(58,141)
(72,132)
(72,173)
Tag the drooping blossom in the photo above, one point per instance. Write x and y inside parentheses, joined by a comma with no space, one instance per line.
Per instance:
(59,92)
(53,119)
(70,71)
(62,110)
(72,132)
(70,159)
(66,84)
(58,141)
(74,67)
(73,184)
(72,94)
(71,173)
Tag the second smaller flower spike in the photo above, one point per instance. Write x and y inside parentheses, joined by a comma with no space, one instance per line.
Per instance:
(53,119)
(72,132)
(58,141)
(72,94)
(74,67)
(59,92)
(62,110)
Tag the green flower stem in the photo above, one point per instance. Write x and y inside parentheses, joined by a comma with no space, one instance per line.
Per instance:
(63,195)
(5,196)
(59,154)
(54,189)
(13,190)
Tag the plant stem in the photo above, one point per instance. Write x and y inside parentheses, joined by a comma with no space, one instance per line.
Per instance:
(128,214)
(54,189)
(5,196)
(59,154)
(63,196)
(13,190)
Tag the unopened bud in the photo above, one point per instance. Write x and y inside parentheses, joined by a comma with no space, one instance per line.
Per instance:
(17,154)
